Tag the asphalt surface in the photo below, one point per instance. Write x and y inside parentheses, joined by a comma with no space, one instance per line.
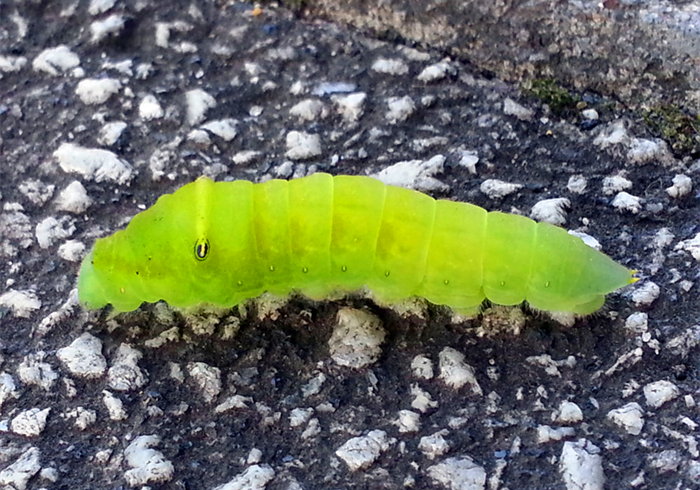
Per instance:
(104,106)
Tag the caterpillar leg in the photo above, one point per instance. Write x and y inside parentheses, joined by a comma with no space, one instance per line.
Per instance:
(590,306)
(466,313)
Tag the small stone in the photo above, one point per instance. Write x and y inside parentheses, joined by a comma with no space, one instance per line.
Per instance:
(356,339)
(302,146)
(582,466)
(512,108)
(83,357)
(30,422)
(630,417)
(360,452)
(97,91)
(660,392)
(460,473)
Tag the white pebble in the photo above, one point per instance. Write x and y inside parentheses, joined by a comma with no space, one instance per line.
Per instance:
(512,108)
(408,421)
(414,174)
(637,323)
(567,413)
(12,64)
(646,293)
(73,199)
(147,465)
(545,433)
(111,25)
(496,189)
(351,106)
(582,466)
(361,452)
(300,416)
(36,191)
(682,185)
(97,91)
(55,61)
(460,473)
(223,128)
(303,146)
(198,103)
(660,392)
(436,71)
(422,367)
(422,401)
(630,417)
(199,136)
(434,445)
(83,357)
(246,156)
(8,388)
(95,164)
(644,151)
(614,133)
(551,211)
(692,245)
(356,339)
(17,475)
(309,110)
(21,303)
(390,66)
(666,461)
(150,108)
(615,184)
(207,378)
(400,108)
(255,477)
(235,401)
(627,202)
(100,6)
(455,372)
(125,374)
(51,230)
(114,405)
(590,114)
(577,184)
(34,371)
(84,417)
(111,132)
(468,160)
(30,422)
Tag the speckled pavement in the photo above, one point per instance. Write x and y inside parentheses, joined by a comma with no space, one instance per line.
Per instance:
(106,105)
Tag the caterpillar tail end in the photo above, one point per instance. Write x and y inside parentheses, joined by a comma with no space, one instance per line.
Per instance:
(633,278)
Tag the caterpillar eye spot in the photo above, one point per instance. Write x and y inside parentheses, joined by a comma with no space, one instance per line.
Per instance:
(305,270)
(201,249)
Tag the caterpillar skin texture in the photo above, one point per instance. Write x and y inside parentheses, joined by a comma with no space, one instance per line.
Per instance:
(221,243)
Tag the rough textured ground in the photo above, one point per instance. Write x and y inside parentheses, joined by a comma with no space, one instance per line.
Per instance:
(641,51)
(266,396)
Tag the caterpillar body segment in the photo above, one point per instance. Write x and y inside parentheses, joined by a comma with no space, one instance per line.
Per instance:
(222,243)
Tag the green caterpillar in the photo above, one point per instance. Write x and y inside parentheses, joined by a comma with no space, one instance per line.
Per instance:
(222,243)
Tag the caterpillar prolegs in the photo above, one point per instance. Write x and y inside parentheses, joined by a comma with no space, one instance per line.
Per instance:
(224,242)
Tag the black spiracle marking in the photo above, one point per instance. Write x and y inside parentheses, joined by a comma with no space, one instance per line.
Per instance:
(201,249)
